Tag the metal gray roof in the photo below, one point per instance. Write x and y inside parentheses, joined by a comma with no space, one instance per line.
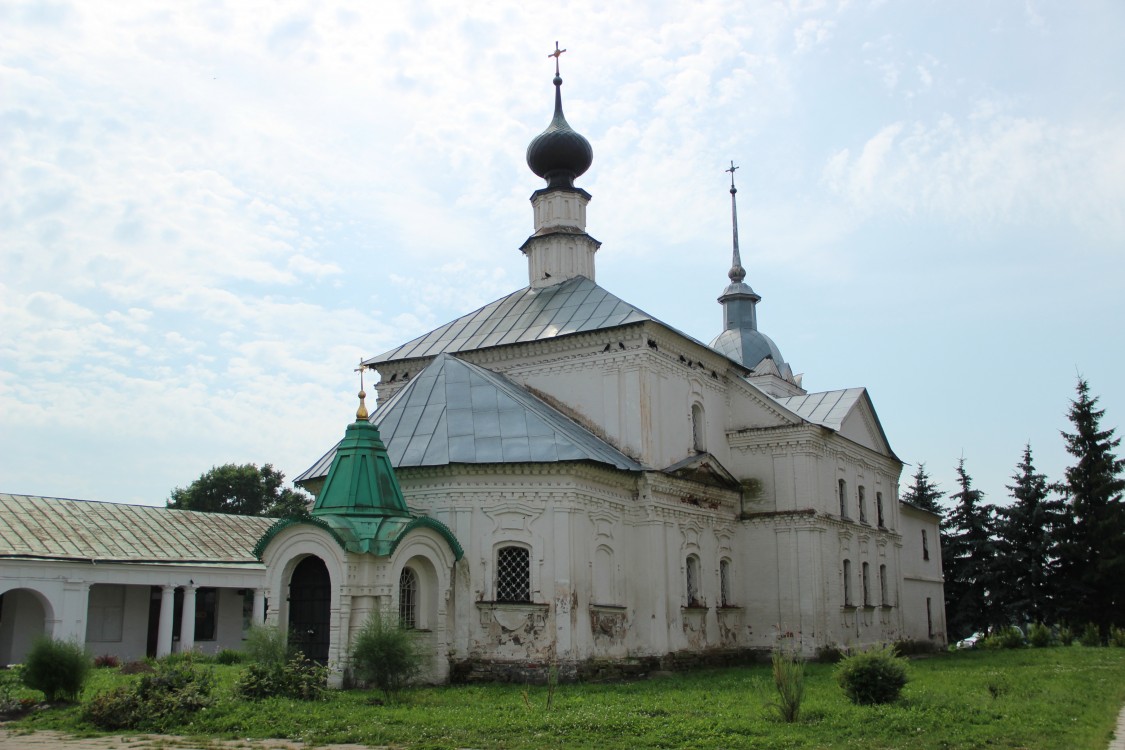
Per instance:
(457,412)
(748,347)
(828,408)
(573,306)
(53,528)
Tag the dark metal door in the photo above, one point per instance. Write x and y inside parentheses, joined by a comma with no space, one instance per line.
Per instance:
(310,600)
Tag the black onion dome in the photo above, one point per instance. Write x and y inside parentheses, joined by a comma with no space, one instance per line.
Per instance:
(559,154)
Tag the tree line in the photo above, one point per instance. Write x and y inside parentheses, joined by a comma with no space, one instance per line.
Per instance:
(1055,555)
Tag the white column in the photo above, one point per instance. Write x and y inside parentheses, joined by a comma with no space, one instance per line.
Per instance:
(164,631)
(187,620)
(259,613)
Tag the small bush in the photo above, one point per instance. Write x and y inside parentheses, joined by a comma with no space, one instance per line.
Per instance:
(229,656)
(299,678)
(872,677)
(136,667)
(385,655)
(163,699)
(1009,637)
(10,685)
(1039,635)
(106,661)
(789,681)
(57,668)
(1091,636)
(267,646)
(915,647)
(1066,635)
(1117,637)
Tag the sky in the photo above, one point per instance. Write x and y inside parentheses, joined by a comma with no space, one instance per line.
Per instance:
(210,211)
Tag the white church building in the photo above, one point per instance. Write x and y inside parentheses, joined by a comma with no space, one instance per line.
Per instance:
(574,483)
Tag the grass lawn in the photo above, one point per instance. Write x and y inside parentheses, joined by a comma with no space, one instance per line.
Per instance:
(1064,698)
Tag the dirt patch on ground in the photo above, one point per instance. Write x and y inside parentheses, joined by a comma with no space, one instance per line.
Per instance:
(10,740)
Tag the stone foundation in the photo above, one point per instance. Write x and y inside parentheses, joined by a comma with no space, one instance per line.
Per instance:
(601,670)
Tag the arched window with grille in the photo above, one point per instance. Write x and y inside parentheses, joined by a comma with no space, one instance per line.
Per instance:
(513,574)
(694,595)
(408,598)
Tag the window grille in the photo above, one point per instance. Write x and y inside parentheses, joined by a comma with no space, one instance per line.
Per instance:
(862,505)
(866,586)
(693,597)
(724,583)
(408,598)
(513,574)
(847,583)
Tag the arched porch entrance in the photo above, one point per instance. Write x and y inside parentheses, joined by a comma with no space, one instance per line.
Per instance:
(23,618)
(310,602)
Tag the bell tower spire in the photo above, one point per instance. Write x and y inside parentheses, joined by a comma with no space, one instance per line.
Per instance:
(559,249)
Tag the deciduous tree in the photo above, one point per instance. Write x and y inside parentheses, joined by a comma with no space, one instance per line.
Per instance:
(241,490)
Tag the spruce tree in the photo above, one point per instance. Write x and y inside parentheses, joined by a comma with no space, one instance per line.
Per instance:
(967,554)
(1025,575)
(1093,568)
(923,493)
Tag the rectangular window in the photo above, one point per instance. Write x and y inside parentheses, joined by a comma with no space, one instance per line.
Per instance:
(724,583)
(847,583)
(106,613)
(693,595)
(866,586)
(862,505)
(513,574)
(929,619)
(842,487)
(879,510)
(883,598)
(925,546)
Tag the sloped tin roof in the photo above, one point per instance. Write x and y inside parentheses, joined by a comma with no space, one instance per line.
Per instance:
(457,412)
(574,306)
(53,528)
(828,408)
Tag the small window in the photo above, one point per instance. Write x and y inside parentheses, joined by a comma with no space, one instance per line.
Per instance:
(929,619)
(862,505)
(408,599)
(513,574)
(866,585)
(883,598)
(698,429)
(843,488)
(693,594)
(847,583)
(724,584)
(879,510)
(925,546)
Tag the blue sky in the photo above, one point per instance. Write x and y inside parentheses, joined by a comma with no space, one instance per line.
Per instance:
(210,211)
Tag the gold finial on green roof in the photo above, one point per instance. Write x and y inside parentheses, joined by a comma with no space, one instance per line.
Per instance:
(361,412)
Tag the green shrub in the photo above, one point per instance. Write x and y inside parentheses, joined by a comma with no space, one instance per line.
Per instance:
(163,699)
(57,668)
(299,678)
(873,676)
(789,681)
(10,684)
(1091,636)
(915,647)
(1117,637)
(1009,637)
(229,656)
(385,655)
(1039,635)
(1066,635)
(267,645)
